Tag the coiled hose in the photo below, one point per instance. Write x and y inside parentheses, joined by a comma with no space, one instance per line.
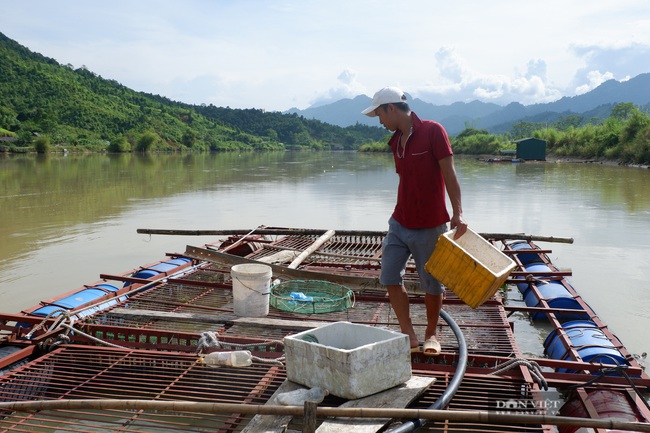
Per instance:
(449,393)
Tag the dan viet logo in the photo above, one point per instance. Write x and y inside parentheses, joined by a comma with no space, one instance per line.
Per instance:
(540,407)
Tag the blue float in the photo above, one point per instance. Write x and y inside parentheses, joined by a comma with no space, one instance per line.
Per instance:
(533,267)
(79,298)
(556,296)
(160,268)
(145,274)
(525,258)
(179,261)
(106,287)
(163,267)
(588,340)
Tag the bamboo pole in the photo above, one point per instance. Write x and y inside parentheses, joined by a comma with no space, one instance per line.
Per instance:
(261,231)
(307,252)
(313,247)
(525,237)
(485,417)
(289,231)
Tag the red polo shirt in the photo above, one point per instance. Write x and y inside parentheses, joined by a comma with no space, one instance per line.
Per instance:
(421,192)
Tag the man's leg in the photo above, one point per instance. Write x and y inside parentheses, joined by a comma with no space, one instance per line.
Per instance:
(399,300)
(422,246)
(433,304)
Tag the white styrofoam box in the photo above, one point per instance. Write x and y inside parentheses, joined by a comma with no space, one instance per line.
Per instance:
(349,360)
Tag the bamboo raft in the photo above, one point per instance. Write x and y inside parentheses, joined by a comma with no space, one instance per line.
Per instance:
(127,359)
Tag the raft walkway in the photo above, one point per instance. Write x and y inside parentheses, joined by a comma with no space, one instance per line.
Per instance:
(146,347)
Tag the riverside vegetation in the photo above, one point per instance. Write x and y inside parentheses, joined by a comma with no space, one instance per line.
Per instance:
(623,137)
(46,106)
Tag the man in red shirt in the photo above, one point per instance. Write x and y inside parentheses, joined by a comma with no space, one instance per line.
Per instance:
(425,164)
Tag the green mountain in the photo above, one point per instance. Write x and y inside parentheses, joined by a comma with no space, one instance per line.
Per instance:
(77,109)
(494,118)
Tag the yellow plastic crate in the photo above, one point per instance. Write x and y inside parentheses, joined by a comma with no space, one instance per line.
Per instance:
(470,266)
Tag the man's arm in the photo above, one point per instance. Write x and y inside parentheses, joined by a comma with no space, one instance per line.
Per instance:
(453,190)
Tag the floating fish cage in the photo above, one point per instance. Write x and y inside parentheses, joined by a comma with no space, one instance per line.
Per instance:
(311,297)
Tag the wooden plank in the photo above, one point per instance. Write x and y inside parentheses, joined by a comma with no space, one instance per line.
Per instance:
(217,318)
(272,423)
(397,397)
(166,315)
(279,323)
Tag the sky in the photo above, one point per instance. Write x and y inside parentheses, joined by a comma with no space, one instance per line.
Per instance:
(279,54)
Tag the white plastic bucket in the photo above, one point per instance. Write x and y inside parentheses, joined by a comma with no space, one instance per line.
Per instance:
(251,289)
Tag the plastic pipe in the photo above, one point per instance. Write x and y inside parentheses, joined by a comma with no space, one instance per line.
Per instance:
(449,393)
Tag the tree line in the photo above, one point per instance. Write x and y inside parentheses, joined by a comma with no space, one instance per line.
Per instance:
(48,106)
(624,136)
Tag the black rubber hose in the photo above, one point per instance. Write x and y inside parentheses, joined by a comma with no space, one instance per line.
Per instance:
(449,393)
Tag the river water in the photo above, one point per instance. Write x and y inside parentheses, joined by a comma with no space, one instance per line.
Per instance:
(66,219)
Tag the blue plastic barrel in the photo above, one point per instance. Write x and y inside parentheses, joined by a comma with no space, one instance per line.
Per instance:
(533,267)
(169,264)
(590,342)
(81,297)
(106,287)
(159,268)
(163,267)
(556,296)
(144,274)
(85,296)
(179,261)
(526,257)
(45,311)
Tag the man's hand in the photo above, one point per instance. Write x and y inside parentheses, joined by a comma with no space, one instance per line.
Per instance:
(458,222)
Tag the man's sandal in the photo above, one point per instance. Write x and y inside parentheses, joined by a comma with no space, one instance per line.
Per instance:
(431,347)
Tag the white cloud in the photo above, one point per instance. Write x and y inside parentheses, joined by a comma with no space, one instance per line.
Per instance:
(451,65)
(347,87)
(277,54)
(536,68)
(603,63)
(595,79)
(460,83)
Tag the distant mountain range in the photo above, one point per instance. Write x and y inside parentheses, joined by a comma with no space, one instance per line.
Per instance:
(496,118)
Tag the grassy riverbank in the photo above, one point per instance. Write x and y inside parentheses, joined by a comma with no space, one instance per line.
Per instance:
(623,138)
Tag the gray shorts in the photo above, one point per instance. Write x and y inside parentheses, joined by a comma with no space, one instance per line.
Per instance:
(399,244)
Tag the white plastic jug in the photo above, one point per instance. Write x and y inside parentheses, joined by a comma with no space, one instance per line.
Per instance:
(236,358)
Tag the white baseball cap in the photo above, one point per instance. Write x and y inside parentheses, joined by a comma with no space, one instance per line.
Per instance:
(387,95)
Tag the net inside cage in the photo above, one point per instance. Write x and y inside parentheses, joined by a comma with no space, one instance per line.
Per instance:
(311,297)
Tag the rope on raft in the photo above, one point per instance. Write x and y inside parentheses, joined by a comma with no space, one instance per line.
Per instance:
(533,367)
(208,339)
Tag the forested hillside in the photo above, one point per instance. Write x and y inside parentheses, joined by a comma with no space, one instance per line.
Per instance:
(48,106)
